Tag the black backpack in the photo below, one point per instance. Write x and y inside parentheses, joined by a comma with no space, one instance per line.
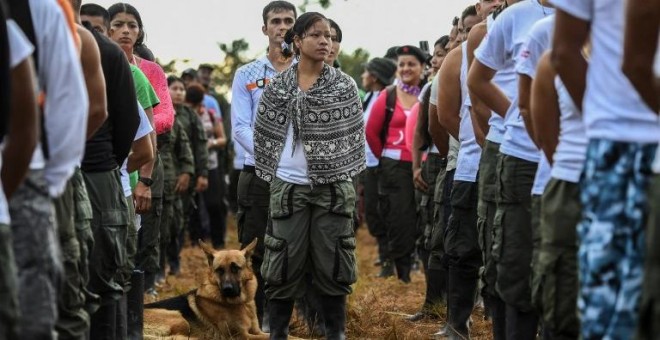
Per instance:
(20,12)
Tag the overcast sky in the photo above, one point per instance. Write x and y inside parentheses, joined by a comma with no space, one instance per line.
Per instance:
(191,29)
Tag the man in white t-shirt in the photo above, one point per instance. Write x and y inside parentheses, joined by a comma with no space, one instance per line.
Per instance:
(18,145)
(623,136)
(517,163)
(65,113)
(641,65)
(249,82)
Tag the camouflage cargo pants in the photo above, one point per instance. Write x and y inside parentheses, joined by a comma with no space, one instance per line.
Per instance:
(612,233)
(38,257)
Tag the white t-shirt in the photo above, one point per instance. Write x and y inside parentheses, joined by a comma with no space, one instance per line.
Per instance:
(570,154)
(66,107)
(420,98)
(500,50)
(293,164)
(542,176)
(372,160)
(507,80)
(143,129)
(469,152)
(19,49)
(452,155)
(612,109)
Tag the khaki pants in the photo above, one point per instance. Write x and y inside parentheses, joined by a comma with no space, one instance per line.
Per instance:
(311,231)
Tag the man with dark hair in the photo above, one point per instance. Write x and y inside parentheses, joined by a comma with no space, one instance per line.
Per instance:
(75,235)
(97,16)
(249,82)
(104,154)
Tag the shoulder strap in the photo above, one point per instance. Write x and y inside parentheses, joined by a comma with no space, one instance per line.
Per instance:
(390,104)
(21,13)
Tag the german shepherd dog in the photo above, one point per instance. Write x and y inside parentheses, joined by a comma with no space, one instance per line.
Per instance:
(223,305)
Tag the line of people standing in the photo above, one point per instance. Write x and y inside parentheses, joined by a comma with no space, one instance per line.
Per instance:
(538,140)
(97,206)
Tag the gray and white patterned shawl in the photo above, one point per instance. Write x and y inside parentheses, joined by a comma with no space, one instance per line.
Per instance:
(327,118)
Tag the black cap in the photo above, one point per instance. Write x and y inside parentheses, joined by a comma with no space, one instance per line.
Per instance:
(414,51)
(189,72)
(382,68)
(391,53)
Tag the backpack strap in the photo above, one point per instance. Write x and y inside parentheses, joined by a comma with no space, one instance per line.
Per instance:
(21,13)
(390,104)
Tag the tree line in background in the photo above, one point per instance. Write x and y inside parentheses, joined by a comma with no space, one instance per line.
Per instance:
(351,63)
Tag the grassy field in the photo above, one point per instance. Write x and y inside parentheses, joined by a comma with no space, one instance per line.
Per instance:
(376,309)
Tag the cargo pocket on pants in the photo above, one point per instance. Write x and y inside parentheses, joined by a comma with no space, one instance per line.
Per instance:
(345,270)
(274,267)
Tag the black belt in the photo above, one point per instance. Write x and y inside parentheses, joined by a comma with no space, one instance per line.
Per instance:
(249,169)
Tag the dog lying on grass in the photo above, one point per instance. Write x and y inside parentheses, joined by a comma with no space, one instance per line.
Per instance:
(222,307)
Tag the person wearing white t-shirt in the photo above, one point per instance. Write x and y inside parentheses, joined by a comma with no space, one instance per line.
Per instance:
(249,83)
(65,112)
(517,162)
(641,65)
(623,137)
(18,144)
(464,256)
(378,74)
(559,131)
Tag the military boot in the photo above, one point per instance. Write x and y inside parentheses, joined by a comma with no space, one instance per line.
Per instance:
(386,269)
(334,314)
(135,306)
(279,313)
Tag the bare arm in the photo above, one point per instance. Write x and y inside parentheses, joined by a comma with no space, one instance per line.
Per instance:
(641,43)
(439,135)
(449,93)
(570,36)
(94,81)
(524,94)
(480,112)
(220,138)
(545,108)
(23,131)
(478,132)
(141,153)
(418,141)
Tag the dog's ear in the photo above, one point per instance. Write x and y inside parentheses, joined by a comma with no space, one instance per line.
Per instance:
(249,250)
(208,250)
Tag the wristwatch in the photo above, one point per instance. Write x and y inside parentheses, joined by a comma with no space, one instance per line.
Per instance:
(146,181)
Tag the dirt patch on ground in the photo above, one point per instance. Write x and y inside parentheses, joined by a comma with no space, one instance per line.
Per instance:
(376,309)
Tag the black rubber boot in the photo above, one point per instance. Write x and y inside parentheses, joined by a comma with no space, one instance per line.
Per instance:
(122,327)
(135,306)
(521,325)
(386,269)
(279,314)
(460,302)
(435,285)
(497,309)
(334,314)
(103,323)
(260,296)
(403,267)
